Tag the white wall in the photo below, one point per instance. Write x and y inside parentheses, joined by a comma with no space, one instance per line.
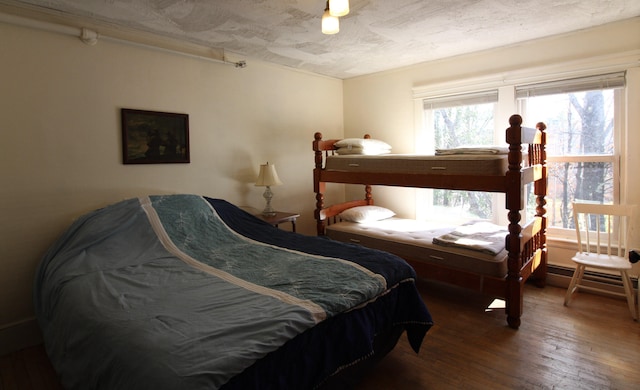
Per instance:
(61,139)
(382,104)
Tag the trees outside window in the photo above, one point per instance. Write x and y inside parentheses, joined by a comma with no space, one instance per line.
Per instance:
(581,150)
(457,126)
(582,140)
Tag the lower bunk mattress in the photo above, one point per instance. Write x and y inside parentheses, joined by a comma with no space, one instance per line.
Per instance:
(413,240)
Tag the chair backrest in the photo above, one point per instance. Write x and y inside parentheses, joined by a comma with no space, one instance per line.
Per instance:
(602,228)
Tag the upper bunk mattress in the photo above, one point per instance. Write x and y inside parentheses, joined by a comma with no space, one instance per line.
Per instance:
(459,164)
(412,239)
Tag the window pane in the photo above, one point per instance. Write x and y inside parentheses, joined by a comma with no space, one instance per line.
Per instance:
(463,204)
(464,125)
(591,181)
(578,124)
(458,126)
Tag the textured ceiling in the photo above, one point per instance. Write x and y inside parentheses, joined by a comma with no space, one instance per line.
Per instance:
(377,35)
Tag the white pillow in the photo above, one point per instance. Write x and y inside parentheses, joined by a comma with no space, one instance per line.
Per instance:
(363,143)
(366,214)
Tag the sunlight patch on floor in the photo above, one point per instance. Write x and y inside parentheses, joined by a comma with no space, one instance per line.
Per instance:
(495,305)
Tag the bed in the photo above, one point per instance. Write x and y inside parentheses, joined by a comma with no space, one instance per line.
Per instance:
(185,291)
(502,275)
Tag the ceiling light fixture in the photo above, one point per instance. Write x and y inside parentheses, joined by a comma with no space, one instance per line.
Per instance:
(338,7)
(330,23)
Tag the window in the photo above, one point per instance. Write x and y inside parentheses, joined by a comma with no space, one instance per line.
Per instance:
(583,118)
(582,152)
(459,120)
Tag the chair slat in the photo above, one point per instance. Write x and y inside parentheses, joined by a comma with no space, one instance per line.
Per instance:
(599,226)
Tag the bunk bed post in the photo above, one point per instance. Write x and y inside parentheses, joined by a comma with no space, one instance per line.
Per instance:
(540,190)
(367,188)
(367,194)
(515,203)
(318,187)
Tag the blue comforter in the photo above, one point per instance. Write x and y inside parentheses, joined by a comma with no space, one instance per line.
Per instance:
(187,292)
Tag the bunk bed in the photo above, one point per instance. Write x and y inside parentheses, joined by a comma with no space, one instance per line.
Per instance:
(524,253)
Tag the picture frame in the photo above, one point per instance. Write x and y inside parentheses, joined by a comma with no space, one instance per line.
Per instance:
(153,137)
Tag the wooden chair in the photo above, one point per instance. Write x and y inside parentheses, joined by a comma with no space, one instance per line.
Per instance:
(602,232)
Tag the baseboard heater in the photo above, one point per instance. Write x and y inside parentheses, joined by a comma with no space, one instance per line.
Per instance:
(559,275)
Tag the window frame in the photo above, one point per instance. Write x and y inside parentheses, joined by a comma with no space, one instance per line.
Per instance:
(508,102)
(593,82)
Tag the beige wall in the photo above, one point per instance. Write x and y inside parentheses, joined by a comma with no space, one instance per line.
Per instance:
(60,101)
(382,104)
(61,138)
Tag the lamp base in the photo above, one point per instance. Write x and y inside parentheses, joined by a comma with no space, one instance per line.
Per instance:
(268,210)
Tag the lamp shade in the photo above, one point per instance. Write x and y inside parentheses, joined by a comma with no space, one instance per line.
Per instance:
(338,7)
(330,24)
(268,176)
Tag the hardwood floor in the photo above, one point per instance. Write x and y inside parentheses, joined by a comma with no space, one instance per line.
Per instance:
(593,344)
(28,369)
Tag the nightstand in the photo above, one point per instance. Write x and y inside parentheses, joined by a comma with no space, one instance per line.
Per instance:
(280,217)
(275,220)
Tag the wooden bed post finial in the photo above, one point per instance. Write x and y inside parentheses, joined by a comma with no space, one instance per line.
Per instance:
(317,137)
(515,120)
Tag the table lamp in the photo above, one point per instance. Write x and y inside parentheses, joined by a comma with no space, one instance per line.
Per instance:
(268,177)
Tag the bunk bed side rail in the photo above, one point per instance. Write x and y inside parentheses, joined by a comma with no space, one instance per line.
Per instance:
(421,180)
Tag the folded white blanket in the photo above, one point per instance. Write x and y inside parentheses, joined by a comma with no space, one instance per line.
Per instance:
(474,150)
(479,236)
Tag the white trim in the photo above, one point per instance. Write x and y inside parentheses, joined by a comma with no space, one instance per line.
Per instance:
(579,68)
(607,158)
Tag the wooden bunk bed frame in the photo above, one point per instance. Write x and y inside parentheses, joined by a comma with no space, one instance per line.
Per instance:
(527,257)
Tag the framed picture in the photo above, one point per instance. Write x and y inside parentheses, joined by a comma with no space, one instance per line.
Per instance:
(150,137)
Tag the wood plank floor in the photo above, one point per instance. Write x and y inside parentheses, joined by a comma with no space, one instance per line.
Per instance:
(593,344)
